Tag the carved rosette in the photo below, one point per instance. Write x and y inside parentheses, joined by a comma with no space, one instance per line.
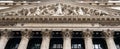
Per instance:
(46,33)
(87,33)
(26,33)
(6,33)
(67,33)
(108,33)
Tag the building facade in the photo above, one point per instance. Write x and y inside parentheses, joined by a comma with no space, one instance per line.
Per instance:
(59,24)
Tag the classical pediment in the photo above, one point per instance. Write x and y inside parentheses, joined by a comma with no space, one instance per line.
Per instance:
(55,9)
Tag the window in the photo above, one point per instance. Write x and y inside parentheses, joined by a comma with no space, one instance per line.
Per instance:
(56,41)
(57,46)
(97,46)
(118,46)
(36,46)
(76,46)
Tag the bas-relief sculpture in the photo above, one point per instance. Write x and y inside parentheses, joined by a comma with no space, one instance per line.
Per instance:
(58,9)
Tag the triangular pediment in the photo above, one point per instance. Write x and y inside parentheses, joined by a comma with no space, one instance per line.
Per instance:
(58,9)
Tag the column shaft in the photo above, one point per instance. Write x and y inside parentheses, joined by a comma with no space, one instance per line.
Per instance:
(4,38)
(110,43)
(88,39)
(88,43)
(46,34)
(3,42)
(67,43)
(25,39)
(45,43)
(67,39)
(23,44)
(109,39)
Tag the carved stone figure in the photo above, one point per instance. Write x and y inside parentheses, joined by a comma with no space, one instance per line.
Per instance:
(58,9)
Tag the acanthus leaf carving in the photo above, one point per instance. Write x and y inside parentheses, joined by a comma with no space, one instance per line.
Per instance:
(67,33)
(6,33)
(87,33)
(46,33)
(108,33)
(26,33)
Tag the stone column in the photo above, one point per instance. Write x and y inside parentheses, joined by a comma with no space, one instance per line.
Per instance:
(109,39)
(5,34)
(46,34)
(26,34)
(88,39)
(67,39)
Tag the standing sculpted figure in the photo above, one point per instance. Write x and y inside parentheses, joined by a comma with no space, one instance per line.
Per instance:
(23,12)
(66,11)
(75,11)
(80,11)
(37,11)
(51,10)
(32,11)
(59,11)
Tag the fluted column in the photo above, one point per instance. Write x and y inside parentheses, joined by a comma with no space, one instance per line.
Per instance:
(26,34)
(88,39)
(46,34)
(5,34)
(67,39)
(109,39)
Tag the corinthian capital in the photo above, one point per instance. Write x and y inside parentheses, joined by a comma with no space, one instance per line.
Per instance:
(26,33)
(108,33)
(67,33)
(87,33)
(46,32)
(6,33)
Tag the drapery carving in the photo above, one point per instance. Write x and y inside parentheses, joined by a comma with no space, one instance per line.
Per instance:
(58,9)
